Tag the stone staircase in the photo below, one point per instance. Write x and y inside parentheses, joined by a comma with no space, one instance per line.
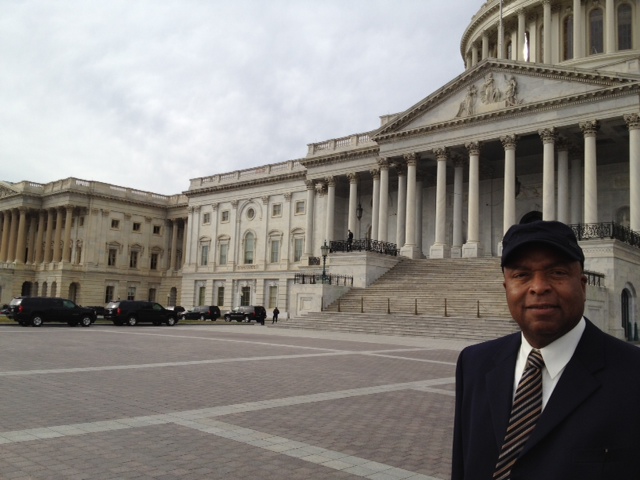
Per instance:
(441,298)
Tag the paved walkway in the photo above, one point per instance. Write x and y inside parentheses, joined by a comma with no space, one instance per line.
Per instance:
(223,401)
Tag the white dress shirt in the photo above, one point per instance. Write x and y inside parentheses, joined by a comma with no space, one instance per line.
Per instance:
(556,355)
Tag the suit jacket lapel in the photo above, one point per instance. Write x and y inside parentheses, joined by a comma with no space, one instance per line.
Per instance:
(576,384)
(499,382)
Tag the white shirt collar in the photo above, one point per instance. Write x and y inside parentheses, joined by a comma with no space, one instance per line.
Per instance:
(557,354)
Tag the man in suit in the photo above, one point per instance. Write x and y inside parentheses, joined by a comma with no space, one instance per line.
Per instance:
(589,425)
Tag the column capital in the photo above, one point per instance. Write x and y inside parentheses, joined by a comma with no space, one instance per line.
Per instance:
(310,184)
(548,135)
(331,181)
(401,168)
(590,128)
(411,158)
(632,120)
(375,173)
(287,196)
(473,148)
(320,188)
(442,153)
(509,141)
(353,177)
(265,199)
(214,206)
(458,160)
(562,144)
(234,204)
(383,163)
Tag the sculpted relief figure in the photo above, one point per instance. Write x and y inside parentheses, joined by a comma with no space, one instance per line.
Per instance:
(468,105)
(491,95)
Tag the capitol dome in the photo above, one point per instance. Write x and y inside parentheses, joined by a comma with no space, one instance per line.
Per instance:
(593,34)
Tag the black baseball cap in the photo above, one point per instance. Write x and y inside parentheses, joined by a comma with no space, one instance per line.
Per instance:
(551,233)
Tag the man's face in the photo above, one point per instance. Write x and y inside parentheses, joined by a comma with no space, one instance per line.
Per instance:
(546,293)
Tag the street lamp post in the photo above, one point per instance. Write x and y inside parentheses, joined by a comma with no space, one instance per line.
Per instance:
(325,251)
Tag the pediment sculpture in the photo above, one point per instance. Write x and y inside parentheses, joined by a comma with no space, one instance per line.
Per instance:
(490,96)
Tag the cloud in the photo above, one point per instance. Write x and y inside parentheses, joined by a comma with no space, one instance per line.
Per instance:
(149,94)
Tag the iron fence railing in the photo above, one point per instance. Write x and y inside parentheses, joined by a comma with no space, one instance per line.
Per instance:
(327,279)
(364,245)
(591,231)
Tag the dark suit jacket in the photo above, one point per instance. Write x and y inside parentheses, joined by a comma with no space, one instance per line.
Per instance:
(589,429)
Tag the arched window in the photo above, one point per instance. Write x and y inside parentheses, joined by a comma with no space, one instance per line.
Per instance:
(567,38)
(625,31)
(596,31)
(249,247)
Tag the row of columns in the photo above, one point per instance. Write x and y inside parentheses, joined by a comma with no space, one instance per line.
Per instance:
(54,245)
(565,206)
(579,39)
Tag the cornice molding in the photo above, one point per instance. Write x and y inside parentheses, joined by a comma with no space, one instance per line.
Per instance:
(245,184)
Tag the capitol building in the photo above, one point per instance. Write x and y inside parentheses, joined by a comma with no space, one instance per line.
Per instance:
(544,123)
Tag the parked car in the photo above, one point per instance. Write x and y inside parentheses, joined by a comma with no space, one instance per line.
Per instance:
(178,309)
(133,312)
(246,314)
(210,312)
(99,310)
(37,310)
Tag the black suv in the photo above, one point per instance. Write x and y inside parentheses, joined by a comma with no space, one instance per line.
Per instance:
(210,312)
(37,310)
(252,312)
(132,312)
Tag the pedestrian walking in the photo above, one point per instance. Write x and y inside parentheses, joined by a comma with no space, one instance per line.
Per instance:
(276,312)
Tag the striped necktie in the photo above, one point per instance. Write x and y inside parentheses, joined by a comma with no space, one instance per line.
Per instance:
(527,406)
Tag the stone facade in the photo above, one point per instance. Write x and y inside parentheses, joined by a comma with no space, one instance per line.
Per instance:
(525,132)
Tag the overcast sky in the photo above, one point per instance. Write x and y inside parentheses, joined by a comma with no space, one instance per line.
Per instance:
(148,94)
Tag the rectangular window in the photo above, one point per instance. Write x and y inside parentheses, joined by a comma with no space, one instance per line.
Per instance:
(245,297)
(275,251)
(300,207)
(276,210)
(131,293)
(273,296)
(154,261)
(81,221)
(152,294)
(133,259)
(111,260)
(156,229)
(206,218)
(108,294)
(136,226)
(204,255)
(224,249)
(115,223)
(297,249)
(224,216)
(78,255)
(220,296)
(201,292)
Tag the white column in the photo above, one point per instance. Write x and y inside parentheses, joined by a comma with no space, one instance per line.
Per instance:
(57,253)
(485,46)
(13,236)
(353,201)
(174,244)
(48,236)
(39,251)
(633,122)
(522,31)
(474,55)
(6,225)
(473,248)
(439,249)
(375,214)
(577,29)
(509,215)
(548,48)
(402,205)
(548,136)
(458,172)
(419,218)
(590,129)
(563,183)
(410,248)
(500,41)
(66,245)
(610,27)
(576,186)
(383,220)
(331,207)
(308,237)
(21,244)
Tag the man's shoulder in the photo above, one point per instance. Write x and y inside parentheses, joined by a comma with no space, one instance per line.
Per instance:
(491,348)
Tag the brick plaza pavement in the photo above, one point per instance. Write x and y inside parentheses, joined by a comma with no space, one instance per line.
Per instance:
(223,401)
